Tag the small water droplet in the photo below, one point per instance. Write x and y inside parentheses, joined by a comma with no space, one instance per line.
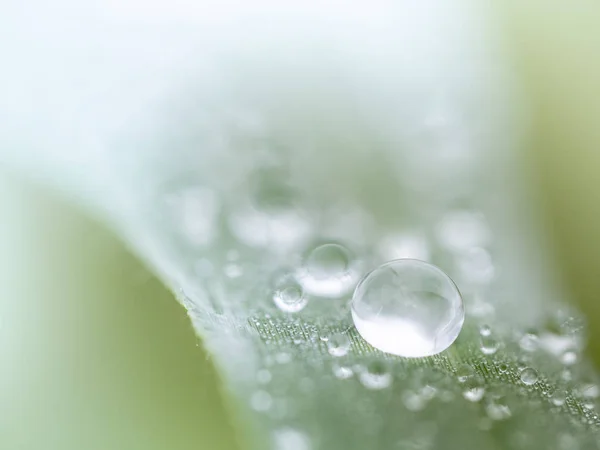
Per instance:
(342,372)
(489,345)
(503,368)
(377,376)
(529,376)
(473,389)
(288,295)
(338,345)
(261,401)
(329,270)
(408,308)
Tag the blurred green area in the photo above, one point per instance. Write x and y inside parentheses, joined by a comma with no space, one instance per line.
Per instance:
(96,354)
(555,47)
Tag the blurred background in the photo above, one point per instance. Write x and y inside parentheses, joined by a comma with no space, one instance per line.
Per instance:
(96,352)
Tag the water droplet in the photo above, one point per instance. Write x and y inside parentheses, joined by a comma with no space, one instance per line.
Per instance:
(338,344)
(408,308)
(485,330)
(290,439)
(288,295)
(261,401)
(503,368)
(329,270)
(377,376)
(342,372)
(489,345)
(473,389)
(529,376)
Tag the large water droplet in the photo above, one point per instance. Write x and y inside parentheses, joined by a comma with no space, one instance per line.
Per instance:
(329,270)
(529,376)
(408,308)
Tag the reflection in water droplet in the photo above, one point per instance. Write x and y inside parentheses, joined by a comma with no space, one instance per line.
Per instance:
(261,401)
(288,295)
(329,270)
(338,344)
(376,376)
(408,308)
(290,439)
(529,376)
